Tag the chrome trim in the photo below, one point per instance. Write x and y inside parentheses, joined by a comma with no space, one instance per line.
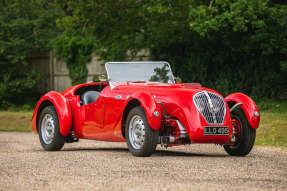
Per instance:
(233,138)
(235,106)
(136,132)
(256,114)
(211,106)
(47,129)
(171,139)
(156,113)
(118,97)
(183,132)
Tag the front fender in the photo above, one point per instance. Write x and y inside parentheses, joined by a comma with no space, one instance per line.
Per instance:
(62,107)
(248,106)
(150,106)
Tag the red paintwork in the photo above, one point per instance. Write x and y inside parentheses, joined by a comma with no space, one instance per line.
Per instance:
(102,120)
(192,85)
(150,105)
(248,106)
(63,110)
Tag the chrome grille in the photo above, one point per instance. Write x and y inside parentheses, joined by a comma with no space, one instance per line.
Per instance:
(211,106)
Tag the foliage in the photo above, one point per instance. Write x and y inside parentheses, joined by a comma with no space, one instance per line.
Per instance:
(271,105)
(76,52)
(116,25)
(25,27)
(161,74)
(96,78)
(17,84)
(229,46)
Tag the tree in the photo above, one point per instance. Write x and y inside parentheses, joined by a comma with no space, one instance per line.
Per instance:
(25,27)
(237,45)
(226,45)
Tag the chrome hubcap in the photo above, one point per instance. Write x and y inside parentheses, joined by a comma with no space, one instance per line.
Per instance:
(136,132)
(47,128)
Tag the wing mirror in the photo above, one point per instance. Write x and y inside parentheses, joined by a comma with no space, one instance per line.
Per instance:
(100,78)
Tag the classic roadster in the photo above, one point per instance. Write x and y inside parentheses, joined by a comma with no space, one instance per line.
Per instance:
(142,105)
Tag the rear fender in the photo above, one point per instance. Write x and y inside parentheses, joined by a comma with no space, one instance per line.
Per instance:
(62,107)
(151,108)
(248,106)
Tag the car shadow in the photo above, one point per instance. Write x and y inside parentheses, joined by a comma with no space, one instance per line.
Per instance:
(186,154)
(165,153)
(97,149)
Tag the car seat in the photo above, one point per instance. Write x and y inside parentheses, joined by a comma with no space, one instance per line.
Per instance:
(90,97)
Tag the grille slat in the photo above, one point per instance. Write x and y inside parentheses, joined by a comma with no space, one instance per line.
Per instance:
(211,106)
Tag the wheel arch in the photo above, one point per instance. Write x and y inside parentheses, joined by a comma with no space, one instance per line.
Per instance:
(147,101)
(44,104)
(130,105)
(248,106)
(62,107)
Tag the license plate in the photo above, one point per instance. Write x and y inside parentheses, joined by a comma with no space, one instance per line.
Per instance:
(216,131)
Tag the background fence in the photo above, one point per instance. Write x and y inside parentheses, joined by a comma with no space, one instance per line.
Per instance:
(55,74)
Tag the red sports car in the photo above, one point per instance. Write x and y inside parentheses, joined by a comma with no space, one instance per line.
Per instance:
(142,105)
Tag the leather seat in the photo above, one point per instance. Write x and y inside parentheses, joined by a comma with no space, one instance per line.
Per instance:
(90,97)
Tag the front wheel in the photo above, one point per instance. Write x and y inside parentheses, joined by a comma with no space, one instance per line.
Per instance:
(244,135)
(49,131)
(141,138)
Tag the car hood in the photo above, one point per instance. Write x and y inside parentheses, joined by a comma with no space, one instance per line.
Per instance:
(178,102)
(163,92)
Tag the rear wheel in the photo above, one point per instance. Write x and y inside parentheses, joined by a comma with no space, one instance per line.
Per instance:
(49,131)
(244,135)
(141,138)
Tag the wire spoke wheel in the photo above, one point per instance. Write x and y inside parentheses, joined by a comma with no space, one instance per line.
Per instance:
(244,135)
(237,130)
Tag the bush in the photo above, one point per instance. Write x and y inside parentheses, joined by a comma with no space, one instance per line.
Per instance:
(76,52)
(230,45)
(25,27)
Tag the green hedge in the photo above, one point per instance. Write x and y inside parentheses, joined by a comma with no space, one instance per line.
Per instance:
(230,46)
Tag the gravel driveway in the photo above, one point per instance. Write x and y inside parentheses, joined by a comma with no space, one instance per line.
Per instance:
(93,165)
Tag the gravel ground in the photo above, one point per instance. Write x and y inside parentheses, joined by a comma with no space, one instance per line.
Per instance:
(94,165)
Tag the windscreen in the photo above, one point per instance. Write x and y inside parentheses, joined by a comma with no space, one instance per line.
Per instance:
(139,71)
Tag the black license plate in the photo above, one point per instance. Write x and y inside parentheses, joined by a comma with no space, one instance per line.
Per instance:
(216,131)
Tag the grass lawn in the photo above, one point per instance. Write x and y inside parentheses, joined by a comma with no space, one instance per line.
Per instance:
(272,130)
(15,121)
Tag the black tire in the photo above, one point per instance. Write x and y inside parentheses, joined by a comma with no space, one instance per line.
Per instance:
(57,141)
(150,139)
(245,143)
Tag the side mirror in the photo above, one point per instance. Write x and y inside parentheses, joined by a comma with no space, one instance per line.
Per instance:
(100,78)
(103,78)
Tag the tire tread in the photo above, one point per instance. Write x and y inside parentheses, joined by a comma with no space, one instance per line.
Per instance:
(249,135)
(151,135)
(58,140)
